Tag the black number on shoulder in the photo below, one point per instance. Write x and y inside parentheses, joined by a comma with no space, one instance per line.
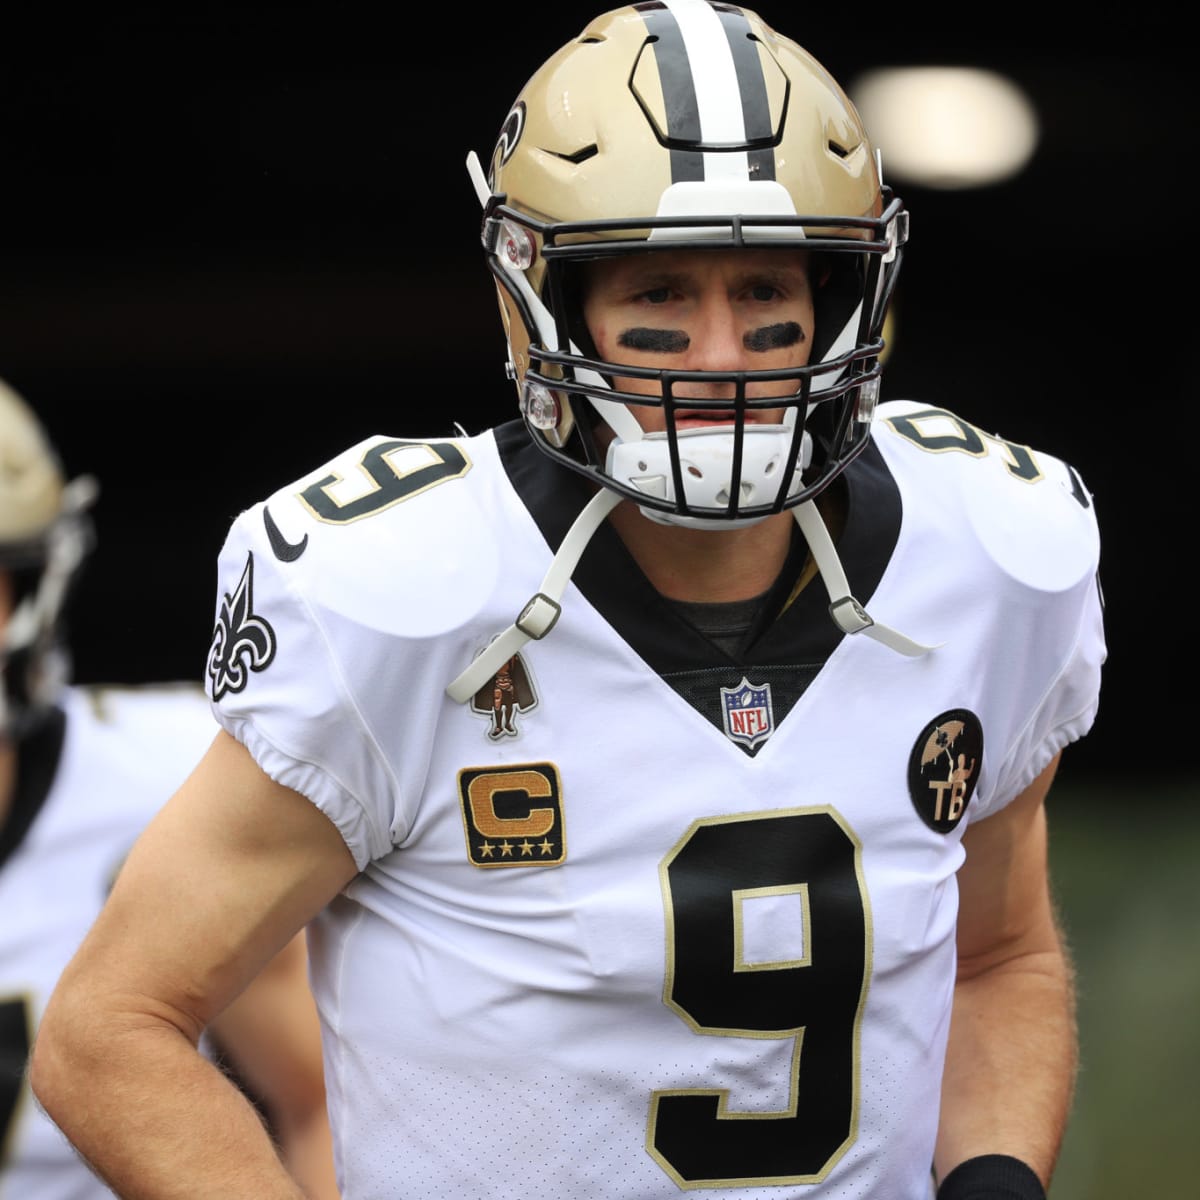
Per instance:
(392,471)
(940,431)
(810,990)
(1077,489)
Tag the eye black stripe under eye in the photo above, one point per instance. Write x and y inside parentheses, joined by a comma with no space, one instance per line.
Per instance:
(773,337)
(662,341)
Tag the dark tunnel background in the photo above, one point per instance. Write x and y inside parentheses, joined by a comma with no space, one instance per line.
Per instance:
(236,239)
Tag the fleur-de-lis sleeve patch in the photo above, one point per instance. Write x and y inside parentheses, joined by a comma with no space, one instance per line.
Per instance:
(242,642)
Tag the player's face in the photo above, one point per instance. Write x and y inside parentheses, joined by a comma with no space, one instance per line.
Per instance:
(706,310)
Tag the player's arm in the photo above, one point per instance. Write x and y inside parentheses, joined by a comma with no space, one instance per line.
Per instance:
(1011,1060)
(231,868)
(272,1038)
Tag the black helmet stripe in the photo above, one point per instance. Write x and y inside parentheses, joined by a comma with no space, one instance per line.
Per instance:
(756,109)
(695,40)
(679,92)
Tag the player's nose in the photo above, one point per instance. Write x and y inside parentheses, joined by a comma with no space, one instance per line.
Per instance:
(719,345)
(715,345)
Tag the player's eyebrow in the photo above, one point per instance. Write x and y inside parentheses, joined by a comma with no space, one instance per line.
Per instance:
(662,341)
(773,337)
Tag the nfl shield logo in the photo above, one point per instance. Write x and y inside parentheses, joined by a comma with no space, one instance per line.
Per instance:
(746,711)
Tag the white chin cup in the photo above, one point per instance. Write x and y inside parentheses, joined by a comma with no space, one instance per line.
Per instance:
(706,464)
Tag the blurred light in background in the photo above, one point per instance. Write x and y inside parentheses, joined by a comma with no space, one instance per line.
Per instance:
(946,127)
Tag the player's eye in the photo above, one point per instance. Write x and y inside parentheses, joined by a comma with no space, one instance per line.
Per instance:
(763,292)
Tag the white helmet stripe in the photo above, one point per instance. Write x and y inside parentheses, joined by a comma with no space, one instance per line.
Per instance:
(719,101)
(694,42)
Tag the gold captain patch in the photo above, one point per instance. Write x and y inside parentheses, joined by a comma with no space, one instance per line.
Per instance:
(512,815)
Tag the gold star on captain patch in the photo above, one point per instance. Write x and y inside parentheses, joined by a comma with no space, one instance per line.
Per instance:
(506,849)
(486,849)
(547,847)
(526,849)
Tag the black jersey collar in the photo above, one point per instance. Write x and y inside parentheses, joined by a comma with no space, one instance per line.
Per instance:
(615,585)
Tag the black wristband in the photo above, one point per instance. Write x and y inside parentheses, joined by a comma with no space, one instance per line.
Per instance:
(992,1177)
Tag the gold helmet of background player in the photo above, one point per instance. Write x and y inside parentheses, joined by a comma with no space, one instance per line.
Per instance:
(45,537)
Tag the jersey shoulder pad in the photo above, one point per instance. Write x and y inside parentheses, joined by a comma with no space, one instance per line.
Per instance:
(395,533)
(400,479)
(1029,508)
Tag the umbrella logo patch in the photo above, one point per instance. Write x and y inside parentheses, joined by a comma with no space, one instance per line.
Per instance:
(943,768)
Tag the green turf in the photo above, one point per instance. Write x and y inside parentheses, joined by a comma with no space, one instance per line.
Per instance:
(1127,873)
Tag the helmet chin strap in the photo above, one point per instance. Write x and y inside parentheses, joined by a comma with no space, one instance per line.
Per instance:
(643,461)
(705,457)
(538,617)
(847,613)
(542,611)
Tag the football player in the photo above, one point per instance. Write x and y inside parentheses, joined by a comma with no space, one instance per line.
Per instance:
(754,896)
(82,769)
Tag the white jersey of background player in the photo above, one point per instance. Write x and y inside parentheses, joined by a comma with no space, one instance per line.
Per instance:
(90,778)
(83,770)
(625,895)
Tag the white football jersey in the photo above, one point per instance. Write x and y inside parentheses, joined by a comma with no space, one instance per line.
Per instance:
(642,915)
(88,785)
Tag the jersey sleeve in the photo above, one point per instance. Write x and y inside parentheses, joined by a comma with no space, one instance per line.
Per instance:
(1069,709)
(275,685)
(1064,644)
(1001,564)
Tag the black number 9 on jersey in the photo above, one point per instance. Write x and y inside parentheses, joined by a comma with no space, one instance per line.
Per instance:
(807,863)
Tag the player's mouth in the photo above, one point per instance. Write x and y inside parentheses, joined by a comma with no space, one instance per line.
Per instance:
(711,417)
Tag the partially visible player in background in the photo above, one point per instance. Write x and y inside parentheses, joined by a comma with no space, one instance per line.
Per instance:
(82,769)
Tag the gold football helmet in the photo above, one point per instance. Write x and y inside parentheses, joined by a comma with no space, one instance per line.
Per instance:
(688,124)
(45,537)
